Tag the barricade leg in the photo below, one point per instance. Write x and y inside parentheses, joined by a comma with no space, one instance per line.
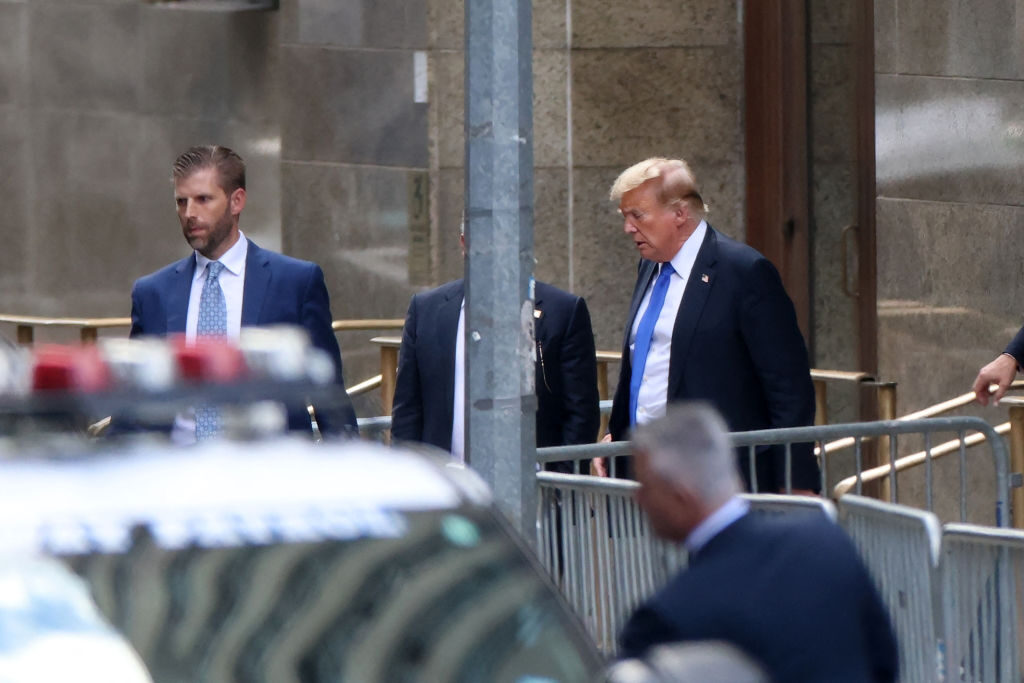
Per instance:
(1017,464)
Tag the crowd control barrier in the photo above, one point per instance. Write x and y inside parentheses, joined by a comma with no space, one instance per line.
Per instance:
(863,436)
(982,580)
(599,548)
(602,553)
(900,546)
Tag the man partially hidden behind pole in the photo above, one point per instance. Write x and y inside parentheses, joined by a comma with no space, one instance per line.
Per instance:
(429,390)
(789,591)
(709,320)
(228,282)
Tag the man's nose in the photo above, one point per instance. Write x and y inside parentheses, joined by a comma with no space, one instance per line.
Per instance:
(190,209)
(628,227)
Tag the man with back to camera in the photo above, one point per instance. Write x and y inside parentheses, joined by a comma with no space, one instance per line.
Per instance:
(788,590)
(429,391)
(228,282)
(711,320)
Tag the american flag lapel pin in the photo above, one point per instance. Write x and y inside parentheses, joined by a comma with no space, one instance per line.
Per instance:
(704,278)
(537,313)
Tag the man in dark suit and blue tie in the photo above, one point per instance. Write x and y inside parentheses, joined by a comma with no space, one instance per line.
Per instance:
(789,590)
(709,319)
(228,282)
(429,390)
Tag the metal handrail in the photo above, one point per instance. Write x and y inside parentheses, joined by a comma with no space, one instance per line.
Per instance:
(368,324)
(366,386)
(913,460)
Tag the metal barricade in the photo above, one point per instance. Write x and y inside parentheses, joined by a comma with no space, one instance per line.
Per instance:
(600,550)
(374,428)
(900,546)
(858,436)
(774,504)
(982,583)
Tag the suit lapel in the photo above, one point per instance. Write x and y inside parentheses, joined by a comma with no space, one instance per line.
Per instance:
(698,287)
(447,330)
(179,293)
(254,290)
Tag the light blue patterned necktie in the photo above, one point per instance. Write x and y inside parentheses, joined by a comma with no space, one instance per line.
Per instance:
(213,322)
(644,336)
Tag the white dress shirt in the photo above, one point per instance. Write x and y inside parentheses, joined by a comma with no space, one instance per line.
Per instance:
(717,521)
(653,395)
(232,283)
(459,399)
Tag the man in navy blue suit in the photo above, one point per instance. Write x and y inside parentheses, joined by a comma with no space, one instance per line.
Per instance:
(790,591)
(428,405)
(719,326)
(259,287)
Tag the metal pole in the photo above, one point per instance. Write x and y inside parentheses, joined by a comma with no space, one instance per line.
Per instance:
(820,402)
(876,453)
(1017,464)
(500,401)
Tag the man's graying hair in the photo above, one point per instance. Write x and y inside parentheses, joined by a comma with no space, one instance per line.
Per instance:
(230,167)
(690,446)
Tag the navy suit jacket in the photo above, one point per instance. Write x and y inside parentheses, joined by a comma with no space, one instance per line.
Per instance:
(278,289)
(1016,347)
(566,369)
(737,345)
(790,590)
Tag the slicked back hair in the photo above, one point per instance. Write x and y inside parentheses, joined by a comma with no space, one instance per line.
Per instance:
(230,167)
(690,446)
(677,183)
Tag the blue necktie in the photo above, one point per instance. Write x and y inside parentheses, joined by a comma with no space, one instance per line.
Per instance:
(213,322)
(644,335)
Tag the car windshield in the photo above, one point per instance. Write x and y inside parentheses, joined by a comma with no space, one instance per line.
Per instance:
(435,595)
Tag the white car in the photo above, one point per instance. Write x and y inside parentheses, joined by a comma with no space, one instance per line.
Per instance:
(282,560)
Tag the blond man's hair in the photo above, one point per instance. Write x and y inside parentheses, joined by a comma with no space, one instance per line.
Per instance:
(678,183)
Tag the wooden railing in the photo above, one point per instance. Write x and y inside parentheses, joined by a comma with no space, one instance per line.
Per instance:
(88,328)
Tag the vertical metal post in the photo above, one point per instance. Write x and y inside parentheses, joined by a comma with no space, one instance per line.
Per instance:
(1017,464)
(876,452)
(25,335)
(886,411)
(500,401)
(388,375)
(820,403)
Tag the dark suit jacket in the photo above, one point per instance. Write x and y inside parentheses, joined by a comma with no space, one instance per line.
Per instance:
(1016,347)
(566,367)
(278,289)
(789,590)
(735,344)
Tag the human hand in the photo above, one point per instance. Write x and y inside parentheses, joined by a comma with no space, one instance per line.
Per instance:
(597,466)
(1000,372)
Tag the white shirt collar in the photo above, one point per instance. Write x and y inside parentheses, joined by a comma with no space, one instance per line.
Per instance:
(233,259)
(713,524)
(684,259)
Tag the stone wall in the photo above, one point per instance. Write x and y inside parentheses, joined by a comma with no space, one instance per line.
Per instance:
(97,97)
(950,208)
(614,83)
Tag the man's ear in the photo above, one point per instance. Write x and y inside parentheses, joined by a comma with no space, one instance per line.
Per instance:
(682,212)
(237,201)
